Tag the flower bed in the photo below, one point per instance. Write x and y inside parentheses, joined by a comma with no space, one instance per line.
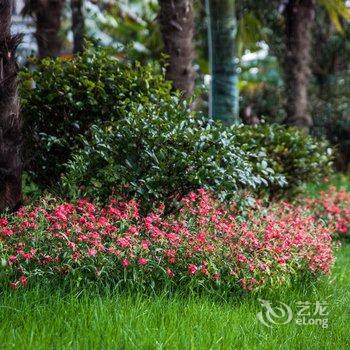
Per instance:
(204,243)
(333,207)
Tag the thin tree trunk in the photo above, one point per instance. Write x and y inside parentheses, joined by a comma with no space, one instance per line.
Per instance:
(222,55)
(77,7)
(177,25)
(10,123)
(47,14)
(299,16)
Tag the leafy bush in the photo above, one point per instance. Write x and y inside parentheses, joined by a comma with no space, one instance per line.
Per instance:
(203,244)
(162,152)
(139,138)
(63,98)
(295,156)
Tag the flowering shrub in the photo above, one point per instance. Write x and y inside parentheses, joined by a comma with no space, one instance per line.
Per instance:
(333,207)
(203,244)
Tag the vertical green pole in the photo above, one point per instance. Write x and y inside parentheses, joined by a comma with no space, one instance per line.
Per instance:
(224,95)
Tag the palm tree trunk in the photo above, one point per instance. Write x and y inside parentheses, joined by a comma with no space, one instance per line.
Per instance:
(299,16)
(77,7)
(177,25)
(10,123)
(47,14)
(222,51)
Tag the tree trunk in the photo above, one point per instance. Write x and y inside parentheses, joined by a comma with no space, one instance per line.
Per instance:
(10,123)
(47,14)
(222,55)
(177,25)
(299,16)
(77,7)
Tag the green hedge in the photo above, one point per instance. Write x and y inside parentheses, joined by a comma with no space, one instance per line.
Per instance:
(61,99)
(109,126)
(160,153)
(297,157)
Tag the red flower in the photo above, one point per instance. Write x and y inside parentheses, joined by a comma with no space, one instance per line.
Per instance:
(281,261)
(14,285)
(23,280)
(7,232)
(75,256)
(27,256)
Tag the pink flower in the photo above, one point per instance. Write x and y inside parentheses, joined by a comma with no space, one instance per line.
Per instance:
(203,231)
(253,280)
(192,197)
(201,237)
(123,242)
(133,230)
(114,212)
(102,221)
(204,270)
(12,259)
(210,248)
(192,269)
(142,261)
(91,252)
(3,222)
(342,228)
(170,273)
(241,258)
(60,215)
(7,232)
(145,244)
(110,229)
(71,245)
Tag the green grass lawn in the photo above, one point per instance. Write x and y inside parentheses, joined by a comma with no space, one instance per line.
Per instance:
(55,320)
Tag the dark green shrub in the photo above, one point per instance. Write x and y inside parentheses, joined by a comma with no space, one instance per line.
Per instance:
(299,158)
(160,152)
(141,140)
(63,98)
